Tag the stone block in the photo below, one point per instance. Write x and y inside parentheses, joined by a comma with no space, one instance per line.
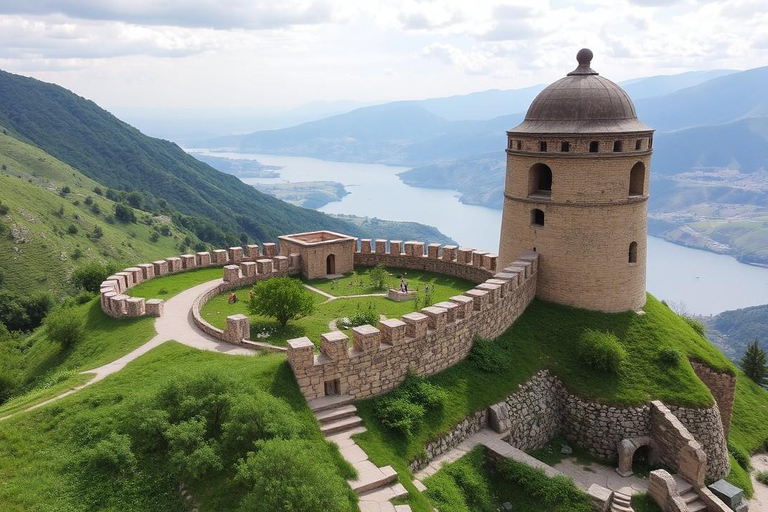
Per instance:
(498,417)
(118,305)
(393,331)
(120,280)
(161,267)
(729,494)
(106,298)
(532,258)
(449,253)
(134,306)
(417,324)
(253,251)
(264,266)
(525,265)
(600,497)
(155,307)
(231,273)
(398,296)
(219,257)
(366,338)
(301,353)
(438,317)
(270,250)
(477,258)
(365,245)
(188,261)
(203,259)
(465,306)
(464,256)
(335,345)
(415,249)
(147,271)
(480,298)
(490,261)
(494,291)
(395,247)
(248,268)
(381,246)
(433,251)
(127,277)
(512,279)
(502,283)
(136,274)
(451,310)
(280,263)
(174,264)
(235,254)
(238,329)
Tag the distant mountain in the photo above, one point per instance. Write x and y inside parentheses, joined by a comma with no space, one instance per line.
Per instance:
(81,134)
(482,105)
(733,330)
(660,85)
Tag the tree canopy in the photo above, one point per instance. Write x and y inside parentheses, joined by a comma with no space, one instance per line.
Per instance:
(282,298)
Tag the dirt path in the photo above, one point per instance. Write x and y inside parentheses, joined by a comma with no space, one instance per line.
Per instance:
(175,324)
(760,502)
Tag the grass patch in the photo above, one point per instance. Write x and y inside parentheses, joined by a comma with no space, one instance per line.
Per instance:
(644,503)
(749,428)
(266,329)
(546,336)
(166,287)
(740,478)
(59,384)
(550,453)
(359,282)
(40,450)
(472,484)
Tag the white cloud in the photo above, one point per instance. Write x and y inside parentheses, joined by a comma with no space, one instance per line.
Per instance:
(472,62)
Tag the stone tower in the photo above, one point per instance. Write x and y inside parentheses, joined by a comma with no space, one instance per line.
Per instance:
(577,192)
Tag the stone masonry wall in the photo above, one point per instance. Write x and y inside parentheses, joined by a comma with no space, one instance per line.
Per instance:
(424,342)
(706,426)
(723,388)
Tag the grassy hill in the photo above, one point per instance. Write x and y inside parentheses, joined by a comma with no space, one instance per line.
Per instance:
(40,248)
(83,135)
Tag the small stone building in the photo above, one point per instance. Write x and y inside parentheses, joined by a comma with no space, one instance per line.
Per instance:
(323,253)
(577,192)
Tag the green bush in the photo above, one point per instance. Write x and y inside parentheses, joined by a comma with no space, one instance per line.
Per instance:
(421,392)
(740,455)
(72,229)
(90,276)
(292,475)
(602,351)
(696,325)
(124,213)
(552,492)
(364,316)
(111,455)
(192,454)
(64,327)
(400,414)
(378,276)
(489,356)
(3,208)
(669,356)
(282,298)
(762,477)
(256,417)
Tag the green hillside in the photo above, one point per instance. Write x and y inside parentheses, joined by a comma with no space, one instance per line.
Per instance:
(85,136)
(39,246)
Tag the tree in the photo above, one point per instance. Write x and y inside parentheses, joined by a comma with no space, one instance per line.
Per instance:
(64,327)
(754,363)
(90,276)
(124,213)
(134,199)
(283,298)
(378,277)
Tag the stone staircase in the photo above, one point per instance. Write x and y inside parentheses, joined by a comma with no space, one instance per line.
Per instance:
(621,502)
(689,495)
(375,486)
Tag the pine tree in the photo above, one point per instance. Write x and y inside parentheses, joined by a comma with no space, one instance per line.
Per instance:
(754,363)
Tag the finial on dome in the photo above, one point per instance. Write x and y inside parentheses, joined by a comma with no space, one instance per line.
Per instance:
(584,57)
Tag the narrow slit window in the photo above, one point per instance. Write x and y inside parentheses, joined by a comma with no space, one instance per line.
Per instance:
(565,147)
(519,145)
(633,252)
(594,146)
(617,146)
(542,146)
(638,144)
(537,217)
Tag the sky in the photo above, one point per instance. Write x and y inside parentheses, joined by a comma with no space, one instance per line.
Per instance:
(286,53)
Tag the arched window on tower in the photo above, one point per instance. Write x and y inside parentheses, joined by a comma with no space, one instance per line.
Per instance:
(543,145)
(537,217)
(617,146)
(540,180)
(638,144)
(633,252)
(565,146)
(637,179)
(519,145)
(594,146)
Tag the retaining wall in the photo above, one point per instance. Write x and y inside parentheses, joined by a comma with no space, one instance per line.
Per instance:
(424,342)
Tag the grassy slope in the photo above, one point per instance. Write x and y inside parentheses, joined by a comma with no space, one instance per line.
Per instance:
(218,309)
(544,337)
(37,449)
(30,187)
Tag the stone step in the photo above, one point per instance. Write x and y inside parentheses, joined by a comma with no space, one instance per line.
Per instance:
(689,497)
(328,402)
(341,425)
(620,508)
(402,508)
(621,503)
(385,493)
(683,485)
(370,477)
(697,506)
(329,415)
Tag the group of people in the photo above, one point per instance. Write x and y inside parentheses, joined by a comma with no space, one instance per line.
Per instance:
(233,297)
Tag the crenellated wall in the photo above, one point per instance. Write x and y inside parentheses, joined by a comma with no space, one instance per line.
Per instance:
(115,302)
(426,341)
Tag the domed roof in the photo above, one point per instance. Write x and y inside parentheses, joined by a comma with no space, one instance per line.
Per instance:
(582,102)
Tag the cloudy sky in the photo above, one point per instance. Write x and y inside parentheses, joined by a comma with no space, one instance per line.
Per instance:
(283,53)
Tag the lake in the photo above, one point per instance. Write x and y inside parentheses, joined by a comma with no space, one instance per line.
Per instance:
(705,282)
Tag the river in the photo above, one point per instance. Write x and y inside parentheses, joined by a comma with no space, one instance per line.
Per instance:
(705,282)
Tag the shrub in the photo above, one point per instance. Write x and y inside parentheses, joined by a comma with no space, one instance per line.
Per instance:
(292,475)
(695,324)
(64,327)
(66,190)
(602,351)
(72,229)
(95,208)
(762,477)
(23,313)
(77,254)
(191,454)
(90,276)
(754,363)
(740,455)
(282,298)
(83,298)
(489,356)
(97,191)
(669,356)
(378,277)
(124,213)
(97,233)
(400,414)
(423,393)
(553,492)
(366,316)
(3,209)
(112,455)
(88,200)
(154,237)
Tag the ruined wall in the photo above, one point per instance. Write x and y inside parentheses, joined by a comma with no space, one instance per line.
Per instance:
(424,342)
(723,388)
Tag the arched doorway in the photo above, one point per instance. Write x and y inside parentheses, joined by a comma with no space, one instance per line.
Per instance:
(330,264)
(646,455)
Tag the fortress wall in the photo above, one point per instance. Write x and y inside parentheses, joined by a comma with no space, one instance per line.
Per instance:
(723,388)
(116,304)
(424,342)
(706,426)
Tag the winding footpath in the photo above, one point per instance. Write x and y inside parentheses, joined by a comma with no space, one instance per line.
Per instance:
(176,324)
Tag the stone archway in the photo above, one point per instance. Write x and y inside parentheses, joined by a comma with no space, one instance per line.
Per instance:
(627,449)
(330,264)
